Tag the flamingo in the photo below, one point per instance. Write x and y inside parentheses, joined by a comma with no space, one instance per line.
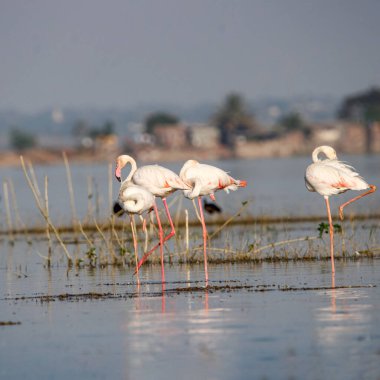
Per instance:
(330,177)
(134,199)
(206,180)
(159,181)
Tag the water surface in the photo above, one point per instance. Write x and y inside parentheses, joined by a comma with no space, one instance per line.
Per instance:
(257,321)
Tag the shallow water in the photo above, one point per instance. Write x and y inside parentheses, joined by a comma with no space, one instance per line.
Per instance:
(257,321)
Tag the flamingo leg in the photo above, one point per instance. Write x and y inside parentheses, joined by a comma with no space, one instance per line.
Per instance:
(145,230)
(161,244)
(133,229)
(370,191)
(331,230)
(204,230)
(171,234)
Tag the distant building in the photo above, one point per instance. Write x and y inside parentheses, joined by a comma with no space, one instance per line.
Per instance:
(106,144)
(204,136)
(170,135)
(285,145)
(326,133)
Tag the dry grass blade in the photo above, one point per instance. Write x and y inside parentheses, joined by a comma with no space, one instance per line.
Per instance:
(276,244)
(229,220)
(8,211)
(20,223)
(107,241)
(71,190)
(47,224)
(43,211)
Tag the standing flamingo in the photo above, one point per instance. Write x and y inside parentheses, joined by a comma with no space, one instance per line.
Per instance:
(206,180)
(134,199)
(329,177)
(159,181)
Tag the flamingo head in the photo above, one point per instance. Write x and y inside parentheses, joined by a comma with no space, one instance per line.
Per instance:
(121,161)
(118,172)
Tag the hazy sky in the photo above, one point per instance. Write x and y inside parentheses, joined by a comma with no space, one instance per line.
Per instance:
(123,53)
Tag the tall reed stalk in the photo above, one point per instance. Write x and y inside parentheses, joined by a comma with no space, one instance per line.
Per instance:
(47,224)
(8,212)
(21,225)
(71,192)
(41,208)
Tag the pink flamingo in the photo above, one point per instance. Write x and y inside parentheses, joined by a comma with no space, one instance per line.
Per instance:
(159,181)
(329,177)
(206,180)
(133,200)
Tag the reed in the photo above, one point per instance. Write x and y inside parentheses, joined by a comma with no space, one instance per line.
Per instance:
(70,188)
(8,212)
(42,210)
(47,224)
(110,248)
(21,225)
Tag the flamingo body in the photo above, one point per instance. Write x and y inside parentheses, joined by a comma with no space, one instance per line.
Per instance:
(330,177)
(135,199)
(206,179)
(158,180)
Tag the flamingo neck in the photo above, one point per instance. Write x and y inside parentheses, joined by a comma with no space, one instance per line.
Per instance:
(326,150)
(123,161)
(133,169)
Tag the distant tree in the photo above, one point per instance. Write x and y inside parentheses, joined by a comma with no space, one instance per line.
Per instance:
(21,140)
(108,128)
(365,109)
(233,119)
(362,107)
(159,118)
(291,122)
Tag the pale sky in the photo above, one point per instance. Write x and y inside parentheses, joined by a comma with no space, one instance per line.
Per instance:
(121,53)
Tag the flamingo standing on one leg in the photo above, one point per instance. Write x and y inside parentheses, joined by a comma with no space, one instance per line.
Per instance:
(134,199)
(329,177)
(206,180)
(160,182)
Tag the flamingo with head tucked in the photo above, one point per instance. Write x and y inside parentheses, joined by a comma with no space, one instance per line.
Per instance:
(206,180)
(159,181)
(330,177)
(134,199)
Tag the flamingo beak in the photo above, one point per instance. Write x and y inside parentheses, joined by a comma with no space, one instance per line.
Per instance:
(118,173)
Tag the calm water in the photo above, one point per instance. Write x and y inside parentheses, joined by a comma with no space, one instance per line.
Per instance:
(275,187)
(248,327)
(258,321)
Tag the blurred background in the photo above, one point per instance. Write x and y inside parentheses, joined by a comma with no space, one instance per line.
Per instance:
(168,80)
